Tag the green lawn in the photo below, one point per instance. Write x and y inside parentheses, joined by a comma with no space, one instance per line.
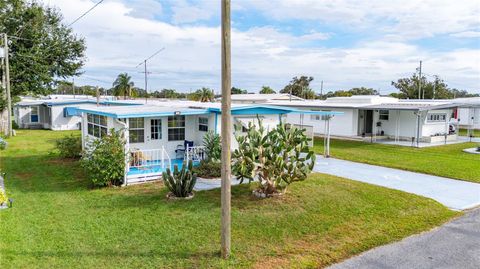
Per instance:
(447,161)
(58,222)
(464,132)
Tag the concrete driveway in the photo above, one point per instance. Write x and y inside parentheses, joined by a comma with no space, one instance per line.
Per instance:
(455,194)
(453,245)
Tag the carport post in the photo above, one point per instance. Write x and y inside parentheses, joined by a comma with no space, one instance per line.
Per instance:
(327,146)
(419,114)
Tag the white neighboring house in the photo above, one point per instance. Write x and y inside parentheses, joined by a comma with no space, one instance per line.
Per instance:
(53,114)
(468,114)
(262,98)
(377,117)
(162,134)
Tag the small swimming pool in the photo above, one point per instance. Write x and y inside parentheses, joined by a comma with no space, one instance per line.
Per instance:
(155,167)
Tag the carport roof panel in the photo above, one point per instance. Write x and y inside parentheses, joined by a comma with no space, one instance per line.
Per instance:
(416,106)
(142,111)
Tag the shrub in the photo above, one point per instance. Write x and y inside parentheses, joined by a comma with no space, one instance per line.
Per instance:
(3,144)
(104,161)
(213,146)
(208,169)
(276,158)
(69,146)
(3,197)
(180,183)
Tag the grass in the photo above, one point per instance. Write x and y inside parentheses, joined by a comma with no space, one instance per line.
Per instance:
(58,222)
(464,132)
(446,161)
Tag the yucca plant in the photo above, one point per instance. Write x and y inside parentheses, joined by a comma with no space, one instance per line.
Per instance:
(213,146)
(180,182)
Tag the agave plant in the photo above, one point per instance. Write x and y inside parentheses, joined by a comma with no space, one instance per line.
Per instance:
(276,158)
(180,182)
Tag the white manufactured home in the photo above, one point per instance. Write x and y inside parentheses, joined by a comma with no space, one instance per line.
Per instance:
(468,114)
(54,114)
(163,134)
(378,118)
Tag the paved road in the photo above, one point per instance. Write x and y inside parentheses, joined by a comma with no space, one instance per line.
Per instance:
(455,194)
(453,245)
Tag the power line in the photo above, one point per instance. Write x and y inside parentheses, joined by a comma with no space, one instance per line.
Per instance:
(81,16)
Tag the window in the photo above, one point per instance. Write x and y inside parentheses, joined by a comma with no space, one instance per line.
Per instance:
(34,114)
(176,128)
(136,130)
(203,124)
(437,117)
(156,129)
(319,117)
(97,125)
(383,114)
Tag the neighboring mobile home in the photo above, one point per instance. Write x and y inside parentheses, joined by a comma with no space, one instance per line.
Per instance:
(54,114)
(375,118)
(262,98)
(162,134)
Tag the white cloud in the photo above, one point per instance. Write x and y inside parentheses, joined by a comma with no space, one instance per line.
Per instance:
(147,9)
(117,41)
(467,34)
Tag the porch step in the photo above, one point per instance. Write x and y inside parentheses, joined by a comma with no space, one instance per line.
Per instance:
(138,179)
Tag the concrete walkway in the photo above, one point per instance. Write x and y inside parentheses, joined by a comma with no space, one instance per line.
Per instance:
(455,194)
(204,184)
(453,245)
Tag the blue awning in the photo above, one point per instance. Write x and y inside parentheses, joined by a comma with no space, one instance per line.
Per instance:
(70,111)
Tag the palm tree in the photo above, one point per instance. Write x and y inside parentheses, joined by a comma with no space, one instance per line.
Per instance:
(204,95)
(123,86)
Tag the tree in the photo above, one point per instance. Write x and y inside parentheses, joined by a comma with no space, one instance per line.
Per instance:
(300,86)
(436,89)
(168,93)
(238,91)
(202,95)
(123,86)
(351,92)
(266,90)
(42,49)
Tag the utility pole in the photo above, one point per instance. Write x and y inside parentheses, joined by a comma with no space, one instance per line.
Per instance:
(7,86)
(144,62)
(146,81)
(321,90)
(434,86)
(420,81)
(226,131)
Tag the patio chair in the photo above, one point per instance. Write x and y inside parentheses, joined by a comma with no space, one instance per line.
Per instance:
(181,149)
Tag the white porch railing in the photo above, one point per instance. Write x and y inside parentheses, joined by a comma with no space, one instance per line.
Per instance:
(149,158)
(195,154)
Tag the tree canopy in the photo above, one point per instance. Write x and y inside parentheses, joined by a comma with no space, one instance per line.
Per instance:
(123,86)
(168,93)
(351,92)
(238,91)
(266,90)
(434,89)
(202,95)
(42,49)
(300,86)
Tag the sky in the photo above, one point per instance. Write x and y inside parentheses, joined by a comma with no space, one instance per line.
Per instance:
(345,43)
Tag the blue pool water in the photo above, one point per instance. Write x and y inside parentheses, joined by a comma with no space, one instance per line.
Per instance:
(156,168)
